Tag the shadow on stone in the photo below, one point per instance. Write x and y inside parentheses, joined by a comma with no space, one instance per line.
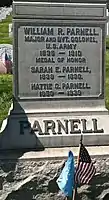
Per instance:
(16,137)
(96,189)
(16,131)
(52,185)
(40,186)
(28,190)
(106,197)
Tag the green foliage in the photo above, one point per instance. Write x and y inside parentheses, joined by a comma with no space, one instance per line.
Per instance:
(5,95)
(4,30)
(107,60)
(6,40)
(5,80)
(107,80)
(107,42)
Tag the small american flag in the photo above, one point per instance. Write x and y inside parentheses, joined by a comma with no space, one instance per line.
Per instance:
(8,63)
(85,169)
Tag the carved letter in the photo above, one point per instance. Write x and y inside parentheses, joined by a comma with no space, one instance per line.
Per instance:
(61,126)
(84,127)
(36,127)
(60,31)
(74,125)
(24,125)
(95,127)
(49,125)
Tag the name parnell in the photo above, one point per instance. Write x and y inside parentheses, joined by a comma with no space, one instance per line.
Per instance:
(58,127)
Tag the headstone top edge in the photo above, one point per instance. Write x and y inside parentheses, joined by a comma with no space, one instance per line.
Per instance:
(64,1)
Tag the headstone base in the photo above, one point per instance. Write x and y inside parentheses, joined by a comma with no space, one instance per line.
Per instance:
(39,130)
(33,175)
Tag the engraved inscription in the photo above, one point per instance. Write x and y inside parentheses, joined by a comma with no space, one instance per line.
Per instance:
(60,61)
(58,127)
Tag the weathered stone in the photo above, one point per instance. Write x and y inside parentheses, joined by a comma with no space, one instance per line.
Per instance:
(31,179)
(4,12)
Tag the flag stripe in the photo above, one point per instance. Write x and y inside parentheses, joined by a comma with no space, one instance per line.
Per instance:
(78,171)
(92,172)
(85,172)
(89,167)
(82,170)
(85,169)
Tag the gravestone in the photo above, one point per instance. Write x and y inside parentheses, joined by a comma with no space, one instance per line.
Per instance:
(4,12)
(59,74)
(6,48)
(6,67)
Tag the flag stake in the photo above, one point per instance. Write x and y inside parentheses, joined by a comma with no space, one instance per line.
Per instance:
(75,189)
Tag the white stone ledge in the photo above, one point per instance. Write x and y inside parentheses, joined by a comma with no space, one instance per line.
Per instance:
(55,153)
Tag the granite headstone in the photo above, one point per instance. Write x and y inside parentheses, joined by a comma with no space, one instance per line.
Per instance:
(59,73)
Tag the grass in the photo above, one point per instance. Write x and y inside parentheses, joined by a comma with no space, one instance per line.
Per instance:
(5,80)
(4,30)
(5,95)
(107,80)
(107,42)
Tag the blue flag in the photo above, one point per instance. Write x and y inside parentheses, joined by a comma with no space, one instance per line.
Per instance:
(66,179)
